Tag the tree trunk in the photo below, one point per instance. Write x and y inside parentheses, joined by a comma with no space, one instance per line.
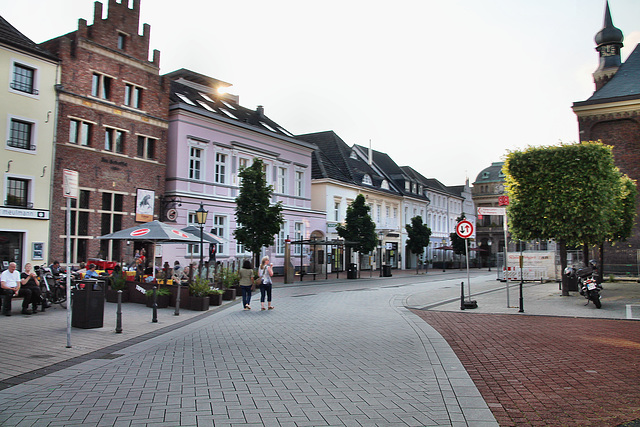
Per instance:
(563,265)
(417,264)
(585,254)
(601,266)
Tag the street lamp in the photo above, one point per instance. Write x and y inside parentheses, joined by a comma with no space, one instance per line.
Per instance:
(489,242)
(201,219)
(444,242)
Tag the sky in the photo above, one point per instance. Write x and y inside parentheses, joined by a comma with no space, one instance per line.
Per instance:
(446,87)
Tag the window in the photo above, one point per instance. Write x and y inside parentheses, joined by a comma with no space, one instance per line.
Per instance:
(24,79)
(220,168)
(220,230)
(80,132)
(114,140)
(336,211)
(298,234)
(407,185)
(101,86)
(413,187)
(384,185)
(146,147)
(299,183)
(17,192)
(195,159)
(21,135)
(132,96)
(282,180)
(111,216)
(280,238)
(122,41)
(79,227)
(366,179)
(243,163)
(193,249)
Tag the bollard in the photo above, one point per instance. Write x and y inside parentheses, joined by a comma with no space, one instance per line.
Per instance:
(462,296)
(119,314)
(154,319)
(521,299)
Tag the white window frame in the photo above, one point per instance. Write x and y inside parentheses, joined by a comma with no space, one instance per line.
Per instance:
(281,237)
(299,190)
(220,168)
(30,188)
(193,249)
(282,180)
(33,137)
(35,91)
(222,231)
(199,169)
(298,234)
(336,211)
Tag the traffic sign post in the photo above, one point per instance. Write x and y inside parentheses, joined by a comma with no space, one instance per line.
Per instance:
(503,212)
(69,191)
(464,230)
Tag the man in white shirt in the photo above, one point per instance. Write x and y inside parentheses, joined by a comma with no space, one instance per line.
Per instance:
(10,283)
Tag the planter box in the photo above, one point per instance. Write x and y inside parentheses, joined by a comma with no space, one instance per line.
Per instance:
(134,293)
(112,295)
(229,294)
(198,303)
(163,301)
(215,299)
(184,296)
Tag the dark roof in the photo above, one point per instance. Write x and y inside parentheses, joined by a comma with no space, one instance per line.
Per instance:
(491,174)
(224,107)
(428,183)
(333,160)
(11,36)
(625,84)
(196,78)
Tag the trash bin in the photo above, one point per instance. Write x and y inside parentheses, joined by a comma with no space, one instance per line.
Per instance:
(87,304)
(572,282)
(352,271)
(386,270)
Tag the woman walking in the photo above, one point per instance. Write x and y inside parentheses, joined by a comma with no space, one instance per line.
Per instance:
(246,282)
(264,273)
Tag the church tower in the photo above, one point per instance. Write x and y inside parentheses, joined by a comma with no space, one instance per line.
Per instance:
(609,42)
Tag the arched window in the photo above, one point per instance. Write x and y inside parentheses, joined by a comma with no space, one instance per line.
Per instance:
(366,179)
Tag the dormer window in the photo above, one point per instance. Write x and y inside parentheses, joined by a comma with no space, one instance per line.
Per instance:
(501,174)
(353,155)
(384,185)
(366,179)
(485,175)
(407,185)
(413,188)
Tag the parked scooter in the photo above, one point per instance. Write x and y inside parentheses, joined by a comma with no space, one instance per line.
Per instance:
(588,282)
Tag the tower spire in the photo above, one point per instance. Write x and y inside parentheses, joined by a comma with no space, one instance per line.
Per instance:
(608,44)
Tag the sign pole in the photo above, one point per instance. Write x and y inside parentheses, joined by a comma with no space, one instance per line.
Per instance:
(69,191)
(466,254)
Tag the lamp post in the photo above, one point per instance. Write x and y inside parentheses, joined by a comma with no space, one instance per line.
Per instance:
(201,219)
(444,242)
(489,243)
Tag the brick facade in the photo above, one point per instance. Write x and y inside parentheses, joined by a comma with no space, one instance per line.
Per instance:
(108,85)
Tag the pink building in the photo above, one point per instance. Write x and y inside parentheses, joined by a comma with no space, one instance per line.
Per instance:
(211,137)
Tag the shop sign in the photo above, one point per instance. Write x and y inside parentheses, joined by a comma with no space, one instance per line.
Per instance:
(24,213)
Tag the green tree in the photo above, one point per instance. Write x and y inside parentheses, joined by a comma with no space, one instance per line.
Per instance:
(359,230)
(258,220)
(419,235)
(570,193)
(457,242)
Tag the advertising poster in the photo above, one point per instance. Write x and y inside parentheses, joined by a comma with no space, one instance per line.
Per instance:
(145,203)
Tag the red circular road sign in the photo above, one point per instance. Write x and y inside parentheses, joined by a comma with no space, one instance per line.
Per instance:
(464,229)
(139,232)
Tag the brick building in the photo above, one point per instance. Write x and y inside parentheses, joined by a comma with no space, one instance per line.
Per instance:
(112,129)
(612,115)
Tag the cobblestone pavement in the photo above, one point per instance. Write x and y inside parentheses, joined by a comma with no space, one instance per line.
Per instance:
(348,356)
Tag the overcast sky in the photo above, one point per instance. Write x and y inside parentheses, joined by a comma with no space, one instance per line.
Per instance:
(446,87)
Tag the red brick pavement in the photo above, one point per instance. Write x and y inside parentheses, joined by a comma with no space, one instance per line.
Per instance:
(548,371)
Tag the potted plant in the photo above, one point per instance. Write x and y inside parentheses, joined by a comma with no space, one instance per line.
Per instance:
(164,297)
(228,280)
(215,296)
(199,294)
(117,283)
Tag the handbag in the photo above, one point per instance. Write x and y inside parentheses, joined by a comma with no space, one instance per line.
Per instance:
(258,281)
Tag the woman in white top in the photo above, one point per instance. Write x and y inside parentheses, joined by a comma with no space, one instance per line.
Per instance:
(265,272)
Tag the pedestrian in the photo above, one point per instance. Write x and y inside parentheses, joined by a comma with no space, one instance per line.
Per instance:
(246,283)
(264,274)
(11,286)
(29,280)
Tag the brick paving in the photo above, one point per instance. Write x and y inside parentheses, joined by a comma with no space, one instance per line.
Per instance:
(546,370)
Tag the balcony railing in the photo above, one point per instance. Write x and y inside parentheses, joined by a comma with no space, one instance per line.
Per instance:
(17,204)
(24,88)
(21,144)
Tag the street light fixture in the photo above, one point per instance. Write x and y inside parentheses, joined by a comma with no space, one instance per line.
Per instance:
(444,242)
(201,219)
(489,242)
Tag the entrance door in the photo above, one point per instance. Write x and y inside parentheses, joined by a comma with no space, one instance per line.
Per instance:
(11,248)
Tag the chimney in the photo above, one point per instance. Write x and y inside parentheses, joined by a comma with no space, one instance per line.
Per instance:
(260,111)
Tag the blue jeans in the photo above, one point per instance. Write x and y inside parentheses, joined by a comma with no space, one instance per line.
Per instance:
(246,295)
(265,288)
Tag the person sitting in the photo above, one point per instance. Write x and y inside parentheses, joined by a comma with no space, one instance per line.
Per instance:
(91,272)
(29,280)
(139,270)
(55,268)
(11,285)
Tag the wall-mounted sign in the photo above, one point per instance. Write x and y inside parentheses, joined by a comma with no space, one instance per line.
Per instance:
(145,203)
(38,250)
(24,213)
(70,183)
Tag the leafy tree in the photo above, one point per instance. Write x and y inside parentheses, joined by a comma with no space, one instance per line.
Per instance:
(419,235)
(258,221)
(359,230)
(570,193)
(457,242)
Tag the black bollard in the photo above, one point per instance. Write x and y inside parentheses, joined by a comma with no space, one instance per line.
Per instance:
(462,307)
(521,299)
(155,305)
(119,314)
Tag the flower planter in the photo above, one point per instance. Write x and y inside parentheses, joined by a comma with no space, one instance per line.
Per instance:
(112,295)
(229,294)
(198,303)
(135,295)
(184,296)
(215,299)
(163,301)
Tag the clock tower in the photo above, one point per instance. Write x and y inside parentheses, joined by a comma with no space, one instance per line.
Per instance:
(609,42)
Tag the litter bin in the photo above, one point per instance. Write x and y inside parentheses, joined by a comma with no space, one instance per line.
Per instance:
(87,304)
(386,270)
(352,271)
(572,282)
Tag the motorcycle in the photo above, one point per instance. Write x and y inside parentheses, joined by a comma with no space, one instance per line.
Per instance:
(54,288)
(588,282)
